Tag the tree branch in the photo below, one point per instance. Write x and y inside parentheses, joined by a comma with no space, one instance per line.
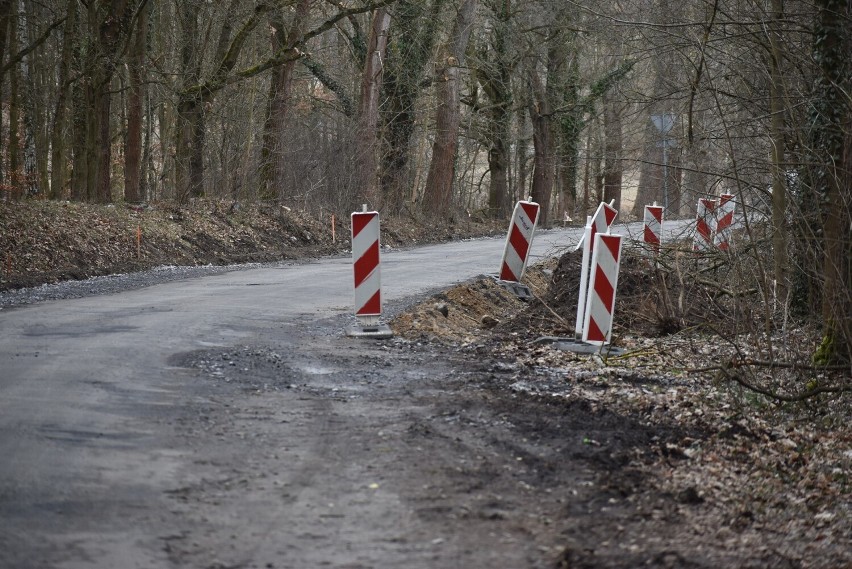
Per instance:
(725,370)
(15,59)
(284,55)
(330,83)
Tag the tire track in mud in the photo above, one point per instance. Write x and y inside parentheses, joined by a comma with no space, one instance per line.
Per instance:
(342,453)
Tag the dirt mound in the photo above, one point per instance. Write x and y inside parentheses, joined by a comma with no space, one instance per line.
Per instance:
(464,312)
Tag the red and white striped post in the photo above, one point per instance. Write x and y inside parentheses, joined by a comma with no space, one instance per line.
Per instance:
(705,225)
(518,241)
(597,224)
(366,264)
(653,226)
(724,221)
(600,304)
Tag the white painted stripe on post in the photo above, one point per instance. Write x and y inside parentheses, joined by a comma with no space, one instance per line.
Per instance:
(584,279)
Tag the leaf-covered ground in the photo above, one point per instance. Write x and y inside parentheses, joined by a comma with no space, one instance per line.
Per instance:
(754,480)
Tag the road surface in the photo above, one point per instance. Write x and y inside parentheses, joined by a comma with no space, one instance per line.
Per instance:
(226,421)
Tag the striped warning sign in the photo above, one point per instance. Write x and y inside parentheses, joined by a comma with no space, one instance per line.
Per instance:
(653,226)
(598,223)
(366,263)
(705,225)
(518,241)
(724,221)
(600,303)
(603,218)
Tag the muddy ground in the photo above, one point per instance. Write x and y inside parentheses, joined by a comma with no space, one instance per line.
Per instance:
(464,442)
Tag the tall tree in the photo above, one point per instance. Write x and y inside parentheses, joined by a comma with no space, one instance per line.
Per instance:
(412,39)
(110,20)
(285,35)
(541,117)
(832,160)
(613,143)
(82,128)
(58,136)
(196,94)
(133,146)
(5,17)
(33,178)
(439,182)
(367,140)
(14,106)
(494,66)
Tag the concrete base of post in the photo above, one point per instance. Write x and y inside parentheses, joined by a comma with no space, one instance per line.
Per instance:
(578,346)
(523,292)
(370,327)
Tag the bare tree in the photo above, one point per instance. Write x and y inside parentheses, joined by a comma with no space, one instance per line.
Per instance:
(413,37)
(133,145)
(439,182)
(368,112)
(494,66)
(832,175)
(285,36)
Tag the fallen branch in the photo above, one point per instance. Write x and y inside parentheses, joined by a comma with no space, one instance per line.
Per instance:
(748,362)
(725,370)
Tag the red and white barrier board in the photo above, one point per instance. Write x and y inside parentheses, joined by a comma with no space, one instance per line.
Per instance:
(724,221)
(597,224)
(600,303)
(653,226)
(705,225)
(366,263)
(518,241)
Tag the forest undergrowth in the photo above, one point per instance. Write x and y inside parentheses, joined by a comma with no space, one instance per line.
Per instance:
(764,459)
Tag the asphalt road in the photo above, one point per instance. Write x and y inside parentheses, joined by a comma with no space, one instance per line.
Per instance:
(102,422)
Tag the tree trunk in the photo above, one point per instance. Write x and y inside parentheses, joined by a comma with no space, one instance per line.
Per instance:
(410,49)
(494,75)
(438,196)
(14,109)
(779,185)
(108,20)
(613,169)
(189,130)
(367,140)
(32,179)
(543,159)
(81,126)
(5,17)
(833,159)
(58,136)
(544,152)
(275,133)
(522,159)
(135,101)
